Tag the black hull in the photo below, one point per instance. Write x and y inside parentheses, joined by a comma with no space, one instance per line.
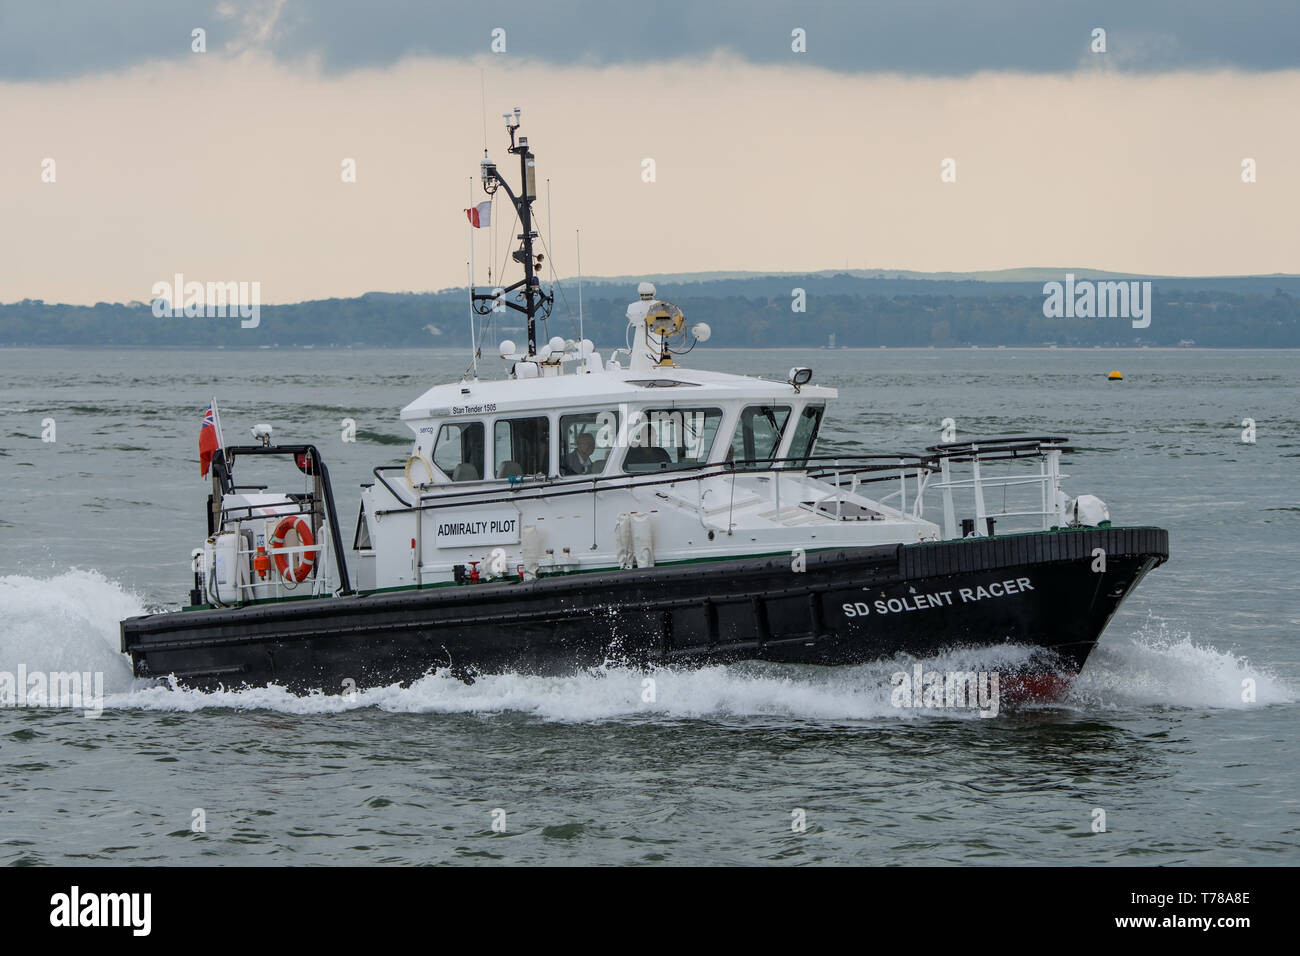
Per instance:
(845,607)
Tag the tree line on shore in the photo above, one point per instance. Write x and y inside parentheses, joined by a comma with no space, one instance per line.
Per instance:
(1004,316)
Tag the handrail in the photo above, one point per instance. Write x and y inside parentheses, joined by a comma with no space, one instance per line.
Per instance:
(384,481)
(1047,450)
(892,470)
(835,470)
(297,508)
(338,555)
(564,486)
(998,447)
(991,448)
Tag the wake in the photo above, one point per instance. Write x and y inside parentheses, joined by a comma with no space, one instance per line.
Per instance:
(70,623)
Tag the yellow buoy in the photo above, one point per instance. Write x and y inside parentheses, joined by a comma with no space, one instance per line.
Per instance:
(1115,377)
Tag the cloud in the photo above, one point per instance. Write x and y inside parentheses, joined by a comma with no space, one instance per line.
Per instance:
(230,169)
(51,39)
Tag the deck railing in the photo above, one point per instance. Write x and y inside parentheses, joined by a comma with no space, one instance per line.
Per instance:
(981,454)
(321,580)
(916,476)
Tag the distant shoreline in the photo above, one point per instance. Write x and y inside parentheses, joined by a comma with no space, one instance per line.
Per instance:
(808,312)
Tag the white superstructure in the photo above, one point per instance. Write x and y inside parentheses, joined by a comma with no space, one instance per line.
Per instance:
(551,471)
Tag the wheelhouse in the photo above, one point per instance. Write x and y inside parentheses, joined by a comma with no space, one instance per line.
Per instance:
(641,432)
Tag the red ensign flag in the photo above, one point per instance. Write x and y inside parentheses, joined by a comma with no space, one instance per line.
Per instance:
(208,442)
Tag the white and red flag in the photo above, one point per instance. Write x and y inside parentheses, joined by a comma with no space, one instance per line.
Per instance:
(481,215)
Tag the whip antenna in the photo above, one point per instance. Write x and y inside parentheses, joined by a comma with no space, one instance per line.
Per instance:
(578,233)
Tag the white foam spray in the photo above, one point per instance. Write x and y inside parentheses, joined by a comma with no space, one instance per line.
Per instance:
(70,623)
(67,623)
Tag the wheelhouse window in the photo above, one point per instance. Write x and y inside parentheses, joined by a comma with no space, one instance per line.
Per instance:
(586,439)
(521,446)
(458,451)
(758,434)
(805,435)
(663,439)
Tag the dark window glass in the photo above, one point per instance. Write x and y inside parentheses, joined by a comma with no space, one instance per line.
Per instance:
(586,439)
(758,434)
(805,435)
(663,439)
(459,450)
(522,446)
(361,541)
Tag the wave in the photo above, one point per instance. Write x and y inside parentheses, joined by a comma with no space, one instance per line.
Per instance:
(66,623)
(70,623)
(379,438)
(1158,667)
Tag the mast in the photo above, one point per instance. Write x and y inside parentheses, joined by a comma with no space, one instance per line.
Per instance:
(535,301)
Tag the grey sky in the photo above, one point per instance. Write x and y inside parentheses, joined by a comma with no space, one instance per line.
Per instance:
(53,39)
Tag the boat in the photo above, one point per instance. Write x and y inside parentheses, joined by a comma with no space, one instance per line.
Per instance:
(632,510)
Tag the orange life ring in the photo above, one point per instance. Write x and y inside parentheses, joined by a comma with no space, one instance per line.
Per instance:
(307,560)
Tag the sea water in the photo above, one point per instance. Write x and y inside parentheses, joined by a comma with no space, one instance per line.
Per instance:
(1176,744)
